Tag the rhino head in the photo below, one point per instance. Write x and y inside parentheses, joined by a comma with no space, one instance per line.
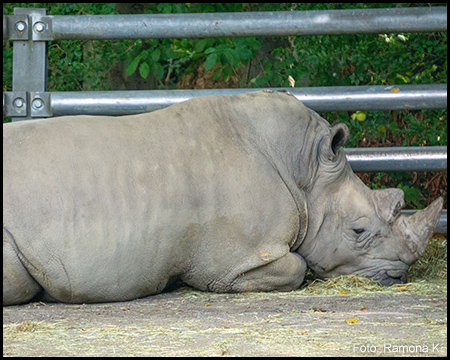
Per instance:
(355,230)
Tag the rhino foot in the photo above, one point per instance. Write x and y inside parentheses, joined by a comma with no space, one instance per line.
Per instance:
(18,285)
(284,274)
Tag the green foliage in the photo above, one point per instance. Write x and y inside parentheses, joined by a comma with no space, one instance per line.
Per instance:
(413,196)
(150,59)
(229,55)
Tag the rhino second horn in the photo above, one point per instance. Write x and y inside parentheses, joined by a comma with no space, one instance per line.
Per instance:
(417,229)
(388,203)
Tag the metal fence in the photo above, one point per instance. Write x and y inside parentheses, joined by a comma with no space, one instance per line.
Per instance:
(31,28)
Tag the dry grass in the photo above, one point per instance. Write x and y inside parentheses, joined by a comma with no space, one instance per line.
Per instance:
(432,266)
(352,285)
(26,326)
(427,275)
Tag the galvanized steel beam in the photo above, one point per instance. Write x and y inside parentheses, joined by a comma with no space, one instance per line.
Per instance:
(342,98)
(315,22)
(357,21)
(410,158)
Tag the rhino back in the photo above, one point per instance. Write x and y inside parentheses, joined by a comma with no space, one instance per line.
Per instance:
(104,207)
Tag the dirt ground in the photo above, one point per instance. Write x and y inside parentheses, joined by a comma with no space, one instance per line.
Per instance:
(187,322)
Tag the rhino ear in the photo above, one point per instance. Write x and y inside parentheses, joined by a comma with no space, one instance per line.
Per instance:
(339,136)
(388,203)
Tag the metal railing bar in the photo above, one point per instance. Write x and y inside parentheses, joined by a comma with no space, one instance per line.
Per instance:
(315,22)
(343,98)
(412,158)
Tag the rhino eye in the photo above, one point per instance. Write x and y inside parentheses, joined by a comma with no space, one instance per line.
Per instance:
(358,231)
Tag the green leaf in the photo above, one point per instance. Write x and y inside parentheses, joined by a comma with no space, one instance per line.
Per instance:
(256,45)
(200,45)
(210,50)
(156,54)
(132,66)
(381,129)
(158,70)
(232,57)
(393,126)
(217,73)
(165,8)
(210,61)
(361,116)
(226,71)
(261,80)
(277,79)
(168,53)
(144,69)
(244,54)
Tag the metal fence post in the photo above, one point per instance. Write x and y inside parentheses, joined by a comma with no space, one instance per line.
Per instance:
(29,64)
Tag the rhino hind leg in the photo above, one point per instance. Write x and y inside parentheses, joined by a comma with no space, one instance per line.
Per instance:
(284,274)
(18,285)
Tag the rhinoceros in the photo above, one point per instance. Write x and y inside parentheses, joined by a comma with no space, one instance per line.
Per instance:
(224,193)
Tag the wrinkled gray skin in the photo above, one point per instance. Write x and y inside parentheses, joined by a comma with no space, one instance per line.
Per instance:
(227,194)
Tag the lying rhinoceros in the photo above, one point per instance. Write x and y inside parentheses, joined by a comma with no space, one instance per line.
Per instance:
(226,194)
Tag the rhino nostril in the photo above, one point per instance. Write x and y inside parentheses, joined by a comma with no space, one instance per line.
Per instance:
(388,281)
(397,210)
(392,277)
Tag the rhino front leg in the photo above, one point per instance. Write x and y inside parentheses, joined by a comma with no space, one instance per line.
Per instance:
(284,274)
(18,285)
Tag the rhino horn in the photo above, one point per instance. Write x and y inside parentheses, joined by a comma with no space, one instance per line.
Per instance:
(417,229)
(388,203)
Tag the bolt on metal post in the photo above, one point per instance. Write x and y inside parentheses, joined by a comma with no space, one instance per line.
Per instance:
(20,26)
(39,26)
(18,102)
(37,104)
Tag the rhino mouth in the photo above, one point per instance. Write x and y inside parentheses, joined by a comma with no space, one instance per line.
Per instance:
(387,278)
